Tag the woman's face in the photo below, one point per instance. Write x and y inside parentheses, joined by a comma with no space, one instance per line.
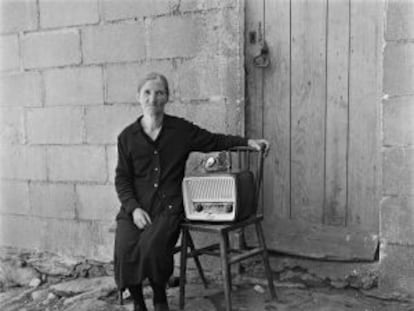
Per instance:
(153,97)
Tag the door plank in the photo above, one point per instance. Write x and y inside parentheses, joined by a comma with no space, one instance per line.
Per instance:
(322,241)
(365,101)
(254,26)
(277,112)
(254,76)
(308,48)
(337,113)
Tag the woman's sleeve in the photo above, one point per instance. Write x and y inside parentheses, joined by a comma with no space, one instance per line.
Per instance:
(124,184)
(205,141)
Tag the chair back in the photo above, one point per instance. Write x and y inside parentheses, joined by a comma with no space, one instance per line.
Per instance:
(247,159)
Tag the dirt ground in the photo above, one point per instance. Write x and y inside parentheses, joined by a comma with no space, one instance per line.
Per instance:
(246,296)
(46,282)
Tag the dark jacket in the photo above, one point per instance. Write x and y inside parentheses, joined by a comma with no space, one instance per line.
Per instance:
(148,168)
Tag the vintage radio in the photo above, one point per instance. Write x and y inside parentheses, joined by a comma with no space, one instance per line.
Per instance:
(219,197)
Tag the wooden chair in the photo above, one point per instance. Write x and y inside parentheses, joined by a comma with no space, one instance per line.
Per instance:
(240,158)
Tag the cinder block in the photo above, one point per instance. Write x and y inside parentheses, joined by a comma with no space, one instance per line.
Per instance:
(112,156)
(12,125)
(21,89)
(398,68)
(123,79)
(97,202)
(14,198)
(400,20)
(398,171)
(18,15)
(9,53)
(79,86)
(232,77)
(175,36)
(53,200)
(77,163)
(224,33)
(21,231)
(234,117)
(208,115)
(113,43)
(201,5)
(88,239)
(68,13)
(116,10)
(398,114)
(103,124)
(396,269)
(23,162)
(55,125)
(50,49)
(397,219)
(199,78)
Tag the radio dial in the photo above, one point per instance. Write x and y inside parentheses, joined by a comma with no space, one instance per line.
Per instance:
(198,207)
(229,208)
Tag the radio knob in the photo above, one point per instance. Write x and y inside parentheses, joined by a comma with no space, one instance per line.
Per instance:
(199,207)
(229,208)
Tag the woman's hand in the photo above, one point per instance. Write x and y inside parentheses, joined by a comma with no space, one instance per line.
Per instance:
(259,144)
(141,218)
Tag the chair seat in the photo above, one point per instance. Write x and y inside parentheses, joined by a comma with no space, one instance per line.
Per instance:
(219,227)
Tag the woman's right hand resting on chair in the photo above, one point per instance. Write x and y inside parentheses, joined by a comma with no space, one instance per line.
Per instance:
(141,218)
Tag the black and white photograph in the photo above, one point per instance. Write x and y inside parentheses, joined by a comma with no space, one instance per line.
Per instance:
(207,155)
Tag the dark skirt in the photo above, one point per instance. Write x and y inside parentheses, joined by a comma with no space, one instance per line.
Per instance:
(147,253)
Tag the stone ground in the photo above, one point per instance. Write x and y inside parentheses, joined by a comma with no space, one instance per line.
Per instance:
(249,294)
(31,281)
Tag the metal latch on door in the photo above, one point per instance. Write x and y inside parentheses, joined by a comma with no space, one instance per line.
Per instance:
(262,60)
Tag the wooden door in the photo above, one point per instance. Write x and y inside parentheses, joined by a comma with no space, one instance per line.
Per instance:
(318,102)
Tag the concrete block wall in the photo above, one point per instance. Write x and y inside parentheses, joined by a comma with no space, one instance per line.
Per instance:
(69,71)
(397,207)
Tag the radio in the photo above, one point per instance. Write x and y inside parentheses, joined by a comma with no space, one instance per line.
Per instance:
(219,197)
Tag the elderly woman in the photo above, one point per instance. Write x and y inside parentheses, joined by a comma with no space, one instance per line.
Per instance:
(152,154)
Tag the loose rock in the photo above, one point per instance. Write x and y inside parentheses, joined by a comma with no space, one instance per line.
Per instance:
(53,265)
(40,295)
(259,289)
(200,304)
(35,282)
(12,273)
(94,305)
(79,286)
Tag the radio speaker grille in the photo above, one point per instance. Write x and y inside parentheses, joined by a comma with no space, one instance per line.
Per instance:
(221,188)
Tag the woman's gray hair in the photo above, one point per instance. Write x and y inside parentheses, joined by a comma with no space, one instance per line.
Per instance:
(154,76)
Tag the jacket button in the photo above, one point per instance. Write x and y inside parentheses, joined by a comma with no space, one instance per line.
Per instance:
(155,152)
(155,185)
(156,169)
(170,206)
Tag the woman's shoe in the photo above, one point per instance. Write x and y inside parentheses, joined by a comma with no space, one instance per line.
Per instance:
(161,306)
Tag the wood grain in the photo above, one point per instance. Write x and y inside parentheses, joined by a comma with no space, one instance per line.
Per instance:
(254,76)
(365,101)
(277,112)
(308,48)
(336,113)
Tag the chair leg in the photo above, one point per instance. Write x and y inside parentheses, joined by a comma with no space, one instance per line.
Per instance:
(183,266)
(120,297)
(265,256)
(225,267)
(197,260)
